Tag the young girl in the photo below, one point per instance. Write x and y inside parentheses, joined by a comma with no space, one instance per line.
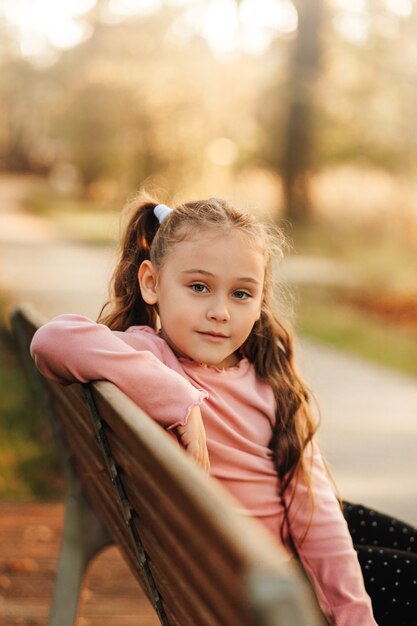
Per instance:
(191,336)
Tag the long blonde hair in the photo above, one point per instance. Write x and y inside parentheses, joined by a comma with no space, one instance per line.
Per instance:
(270,344)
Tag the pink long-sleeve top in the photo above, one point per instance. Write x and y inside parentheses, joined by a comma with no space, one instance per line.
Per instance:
(238,411)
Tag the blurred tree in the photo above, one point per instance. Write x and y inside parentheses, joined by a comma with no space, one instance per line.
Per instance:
(298,139)
(18,92)
(288,109)
(348,96)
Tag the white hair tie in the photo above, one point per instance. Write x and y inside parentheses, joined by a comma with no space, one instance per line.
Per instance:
(161,211)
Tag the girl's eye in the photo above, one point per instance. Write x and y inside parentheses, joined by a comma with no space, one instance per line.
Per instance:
(241,295)
(199,288)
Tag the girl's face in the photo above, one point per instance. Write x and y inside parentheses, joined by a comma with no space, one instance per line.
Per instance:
(209,294)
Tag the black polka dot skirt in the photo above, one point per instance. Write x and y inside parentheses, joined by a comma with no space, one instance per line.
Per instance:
(387,553)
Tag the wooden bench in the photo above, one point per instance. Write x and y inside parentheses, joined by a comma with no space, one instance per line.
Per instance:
(129,483)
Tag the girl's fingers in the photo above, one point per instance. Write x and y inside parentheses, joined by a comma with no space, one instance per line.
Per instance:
(199,453)
(205,464)
(193,437)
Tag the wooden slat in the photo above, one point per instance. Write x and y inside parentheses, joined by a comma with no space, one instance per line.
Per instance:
(180,601)
(87,451)
(181,580)
(89,463)
(163,560)
(208,570)
(221,595)
(103,496)
(104,501)
(72,398)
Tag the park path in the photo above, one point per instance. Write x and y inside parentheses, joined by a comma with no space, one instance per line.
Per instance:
(369,413)
(40,265)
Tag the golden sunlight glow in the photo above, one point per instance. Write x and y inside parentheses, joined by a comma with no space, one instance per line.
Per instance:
(44,23)
(353,27)
(249,26)
(352,6)
(220,26)
(402,8)
(229,27)
(125,8)
(352,21)
(222,151)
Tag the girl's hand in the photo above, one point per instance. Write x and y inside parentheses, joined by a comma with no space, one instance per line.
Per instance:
(193,438)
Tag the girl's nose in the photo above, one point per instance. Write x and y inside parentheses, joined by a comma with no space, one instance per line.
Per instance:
(218,311)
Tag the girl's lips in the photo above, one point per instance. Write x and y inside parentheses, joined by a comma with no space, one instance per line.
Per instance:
(213,336)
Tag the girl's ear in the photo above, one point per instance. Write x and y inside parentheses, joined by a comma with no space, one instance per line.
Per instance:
(148,280)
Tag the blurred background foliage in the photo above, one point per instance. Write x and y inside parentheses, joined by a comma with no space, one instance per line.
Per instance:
(281,98)
(302,111)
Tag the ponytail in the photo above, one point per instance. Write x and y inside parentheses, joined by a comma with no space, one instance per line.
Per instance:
(127,307)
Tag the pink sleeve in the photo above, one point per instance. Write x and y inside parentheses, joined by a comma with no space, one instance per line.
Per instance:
(327,552)
(73,348)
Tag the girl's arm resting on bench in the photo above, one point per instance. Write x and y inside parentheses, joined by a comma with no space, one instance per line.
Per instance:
(73,348)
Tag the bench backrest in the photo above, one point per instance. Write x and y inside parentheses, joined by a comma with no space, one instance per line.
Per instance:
(199,562)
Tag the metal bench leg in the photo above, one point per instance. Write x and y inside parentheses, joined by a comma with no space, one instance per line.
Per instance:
(84,535)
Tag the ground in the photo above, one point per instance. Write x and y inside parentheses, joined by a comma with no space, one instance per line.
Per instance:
(30,535)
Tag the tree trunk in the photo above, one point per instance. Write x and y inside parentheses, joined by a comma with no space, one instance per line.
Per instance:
(298,139)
